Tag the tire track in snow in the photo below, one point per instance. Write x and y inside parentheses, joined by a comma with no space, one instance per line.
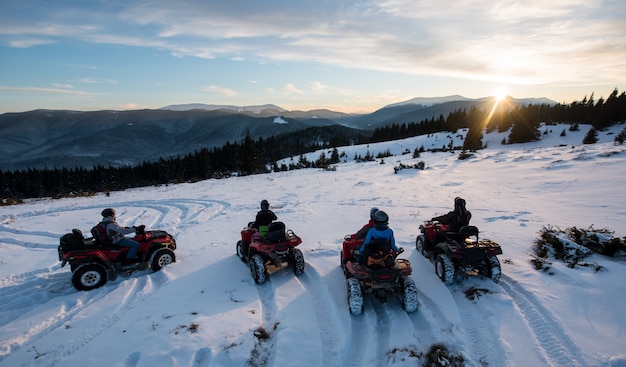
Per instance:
(17,297)
(484,341)
(326,314)
(139,289)
(555,345)
(358,341)
(429,324)
(382,333)
(67,312)
(201,358)
(175,214)
(262,353)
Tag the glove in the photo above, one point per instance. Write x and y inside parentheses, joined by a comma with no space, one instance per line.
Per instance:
(400,250)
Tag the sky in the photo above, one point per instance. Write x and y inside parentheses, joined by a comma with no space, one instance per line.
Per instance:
(350,56)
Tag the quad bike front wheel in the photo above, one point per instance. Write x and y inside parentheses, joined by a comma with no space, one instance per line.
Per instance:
(297,261)
(419,245)
(355,296)
(161,258)
(444,268)
(240,251)
(89,276)
(257,269)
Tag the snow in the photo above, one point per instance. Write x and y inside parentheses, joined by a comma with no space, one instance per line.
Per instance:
(205,310)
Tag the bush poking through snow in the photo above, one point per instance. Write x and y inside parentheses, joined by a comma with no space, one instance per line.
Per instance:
(419,165)
(473,293)
(436,356)
(573,245)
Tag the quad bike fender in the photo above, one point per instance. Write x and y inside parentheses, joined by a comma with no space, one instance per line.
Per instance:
(450,248)
(356,269)
(90,257)
(493,247)
(404,267)
(350,243)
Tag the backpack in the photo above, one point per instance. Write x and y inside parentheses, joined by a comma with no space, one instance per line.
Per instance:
(377,254)
(276,232)
(99,233)
(72,241)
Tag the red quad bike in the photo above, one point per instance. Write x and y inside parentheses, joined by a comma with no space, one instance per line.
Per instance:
(379,280)
(93,263)
(267,254)
(462,251)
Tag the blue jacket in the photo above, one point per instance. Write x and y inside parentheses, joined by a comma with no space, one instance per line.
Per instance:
(375,233)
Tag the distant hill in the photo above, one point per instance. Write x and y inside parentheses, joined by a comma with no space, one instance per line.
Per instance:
(419,109)
(60,138)
(44,138)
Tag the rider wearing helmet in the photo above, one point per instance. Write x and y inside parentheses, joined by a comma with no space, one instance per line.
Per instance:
(380,232)
(115,233)
(366,228)
(264,217)
(455,219)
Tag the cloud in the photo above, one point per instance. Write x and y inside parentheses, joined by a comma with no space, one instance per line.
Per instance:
(40,90)
(292,89)
(319,87)
(526,41)
(97,81)
(220,90)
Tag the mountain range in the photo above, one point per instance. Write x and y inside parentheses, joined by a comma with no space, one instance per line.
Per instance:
(62,138)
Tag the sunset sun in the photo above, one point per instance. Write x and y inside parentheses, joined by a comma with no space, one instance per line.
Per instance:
(500,94)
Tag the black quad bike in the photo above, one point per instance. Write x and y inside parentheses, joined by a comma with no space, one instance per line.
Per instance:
(459,251)
(271,252)
(93,263)
(390,275)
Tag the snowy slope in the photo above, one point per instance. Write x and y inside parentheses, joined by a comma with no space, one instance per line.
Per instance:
(205,310)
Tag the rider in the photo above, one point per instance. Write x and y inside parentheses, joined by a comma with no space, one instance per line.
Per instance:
(263,218)
(116,233)
(455,219)
(366,228)
(380,231)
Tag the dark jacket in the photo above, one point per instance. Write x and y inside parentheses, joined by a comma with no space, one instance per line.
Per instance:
(264,218)
(455,219)
(363,231)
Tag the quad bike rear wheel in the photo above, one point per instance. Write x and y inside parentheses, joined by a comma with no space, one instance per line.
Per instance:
(161,258)
(257,269)
(355,296)
(495,270)
(408,294)
(444,268)
(297,261)
(89,276)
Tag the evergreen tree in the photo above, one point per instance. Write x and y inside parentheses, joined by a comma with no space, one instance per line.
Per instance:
(591,137)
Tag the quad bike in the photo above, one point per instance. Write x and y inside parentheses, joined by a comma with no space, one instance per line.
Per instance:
(391,276)
(462,251)
(93,263)
(271,252)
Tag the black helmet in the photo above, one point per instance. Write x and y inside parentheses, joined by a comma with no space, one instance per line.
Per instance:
(381,220)
(265,205)
(459,202)
(372,212)
(108,212)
